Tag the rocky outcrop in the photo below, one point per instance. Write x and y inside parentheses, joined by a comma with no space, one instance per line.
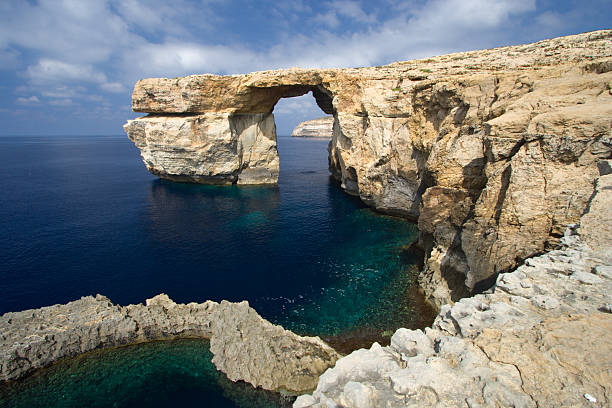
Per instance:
(245,346)
(493,151)
(539,338)
(320,127)
(212,148)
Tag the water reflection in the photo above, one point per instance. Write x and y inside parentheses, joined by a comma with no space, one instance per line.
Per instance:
(178,211)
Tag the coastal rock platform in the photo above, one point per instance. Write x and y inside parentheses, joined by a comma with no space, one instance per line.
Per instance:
(541,337)
(245,346)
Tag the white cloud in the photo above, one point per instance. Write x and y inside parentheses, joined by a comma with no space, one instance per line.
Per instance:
(352,10)
(63,91)
(73,31)
(48,70)
(173,58)
(293,5)
(445,15)
(175,18)
(302,105)
(32,100)
(329,19)
(113,87)
(80,48)
(61,102)
(437,27)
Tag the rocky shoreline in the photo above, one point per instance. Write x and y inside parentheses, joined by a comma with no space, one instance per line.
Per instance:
(539,338)
(493,152)
(244,345)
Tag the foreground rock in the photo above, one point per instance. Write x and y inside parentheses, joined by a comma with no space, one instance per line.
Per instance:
(245,346)
(494,152)
(540,337)
(320,127)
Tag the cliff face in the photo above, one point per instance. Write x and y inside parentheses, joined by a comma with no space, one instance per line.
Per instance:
(320,127)
(493,151)
(539,338)
(211,148)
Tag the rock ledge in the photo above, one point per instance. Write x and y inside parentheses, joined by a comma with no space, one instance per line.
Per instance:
(539,338)
(245,346)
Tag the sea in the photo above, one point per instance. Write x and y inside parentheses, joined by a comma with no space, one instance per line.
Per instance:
(80,215)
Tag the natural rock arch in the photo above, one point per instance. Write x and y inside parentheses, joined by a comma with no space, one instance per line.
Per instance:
(214,130)
(494,152)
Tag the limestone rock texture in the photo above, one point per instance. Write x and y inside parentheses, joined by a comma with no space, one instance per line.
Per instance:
(249,348)
(493,152)
(539,338)
(245,346)
(320,127)
(212,148)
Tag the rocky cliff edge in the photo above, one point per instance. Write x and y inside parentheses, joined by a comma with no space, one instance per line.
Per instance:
(541,337)
(320,127)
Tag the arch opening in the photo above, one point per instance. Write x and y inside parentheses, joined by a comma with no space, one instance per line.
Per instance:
(215,130)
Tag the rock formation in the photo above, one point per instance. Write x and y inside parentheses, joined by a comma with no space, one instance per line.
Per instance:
(211,148)
(539,338)
(494,152)
(320,127)
(245,346)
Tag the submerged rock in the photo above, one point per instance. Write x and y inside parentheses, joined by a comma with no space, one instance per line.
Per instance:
(245,346)
(320,127)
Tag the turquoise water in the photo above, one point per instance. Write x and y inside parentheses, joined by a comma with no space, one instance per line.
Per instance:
(82,216)
(175,373)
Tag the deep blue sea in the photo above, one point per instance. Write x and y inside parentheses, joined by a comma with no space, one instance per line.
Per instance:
(81,215)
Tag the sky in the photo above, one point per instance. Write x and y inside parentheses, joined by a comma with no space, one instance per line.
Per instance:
(67,67)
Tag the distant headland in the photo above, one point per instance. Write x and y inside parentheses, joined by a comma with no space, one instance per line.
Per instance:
(320,127)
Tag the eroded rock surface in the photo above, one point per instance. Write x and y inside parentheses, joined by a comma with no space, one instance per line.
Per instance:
(494,152)
(540,337)
(249,348)
(212,148)
(320,127)
(245,346)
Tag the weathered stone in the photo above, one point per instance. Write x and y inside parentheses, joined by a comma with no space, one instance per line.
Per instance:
(595,221)
(212,148)
(320,127)
(514,134)
(409,343)
(247,347)
(539,337)
(244,345)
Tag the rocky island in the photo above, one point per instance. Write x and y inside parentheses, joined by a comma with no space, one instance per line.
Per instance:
(494,153)
(321,127)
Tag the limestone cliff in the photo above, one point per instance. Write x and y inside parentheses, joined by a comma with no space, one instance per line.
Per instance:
(539,338)
(320,127)
(245,346)
(492,151)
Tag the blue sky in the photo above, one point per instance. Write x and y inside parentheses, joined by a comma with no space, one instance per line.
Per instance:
(68,66)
